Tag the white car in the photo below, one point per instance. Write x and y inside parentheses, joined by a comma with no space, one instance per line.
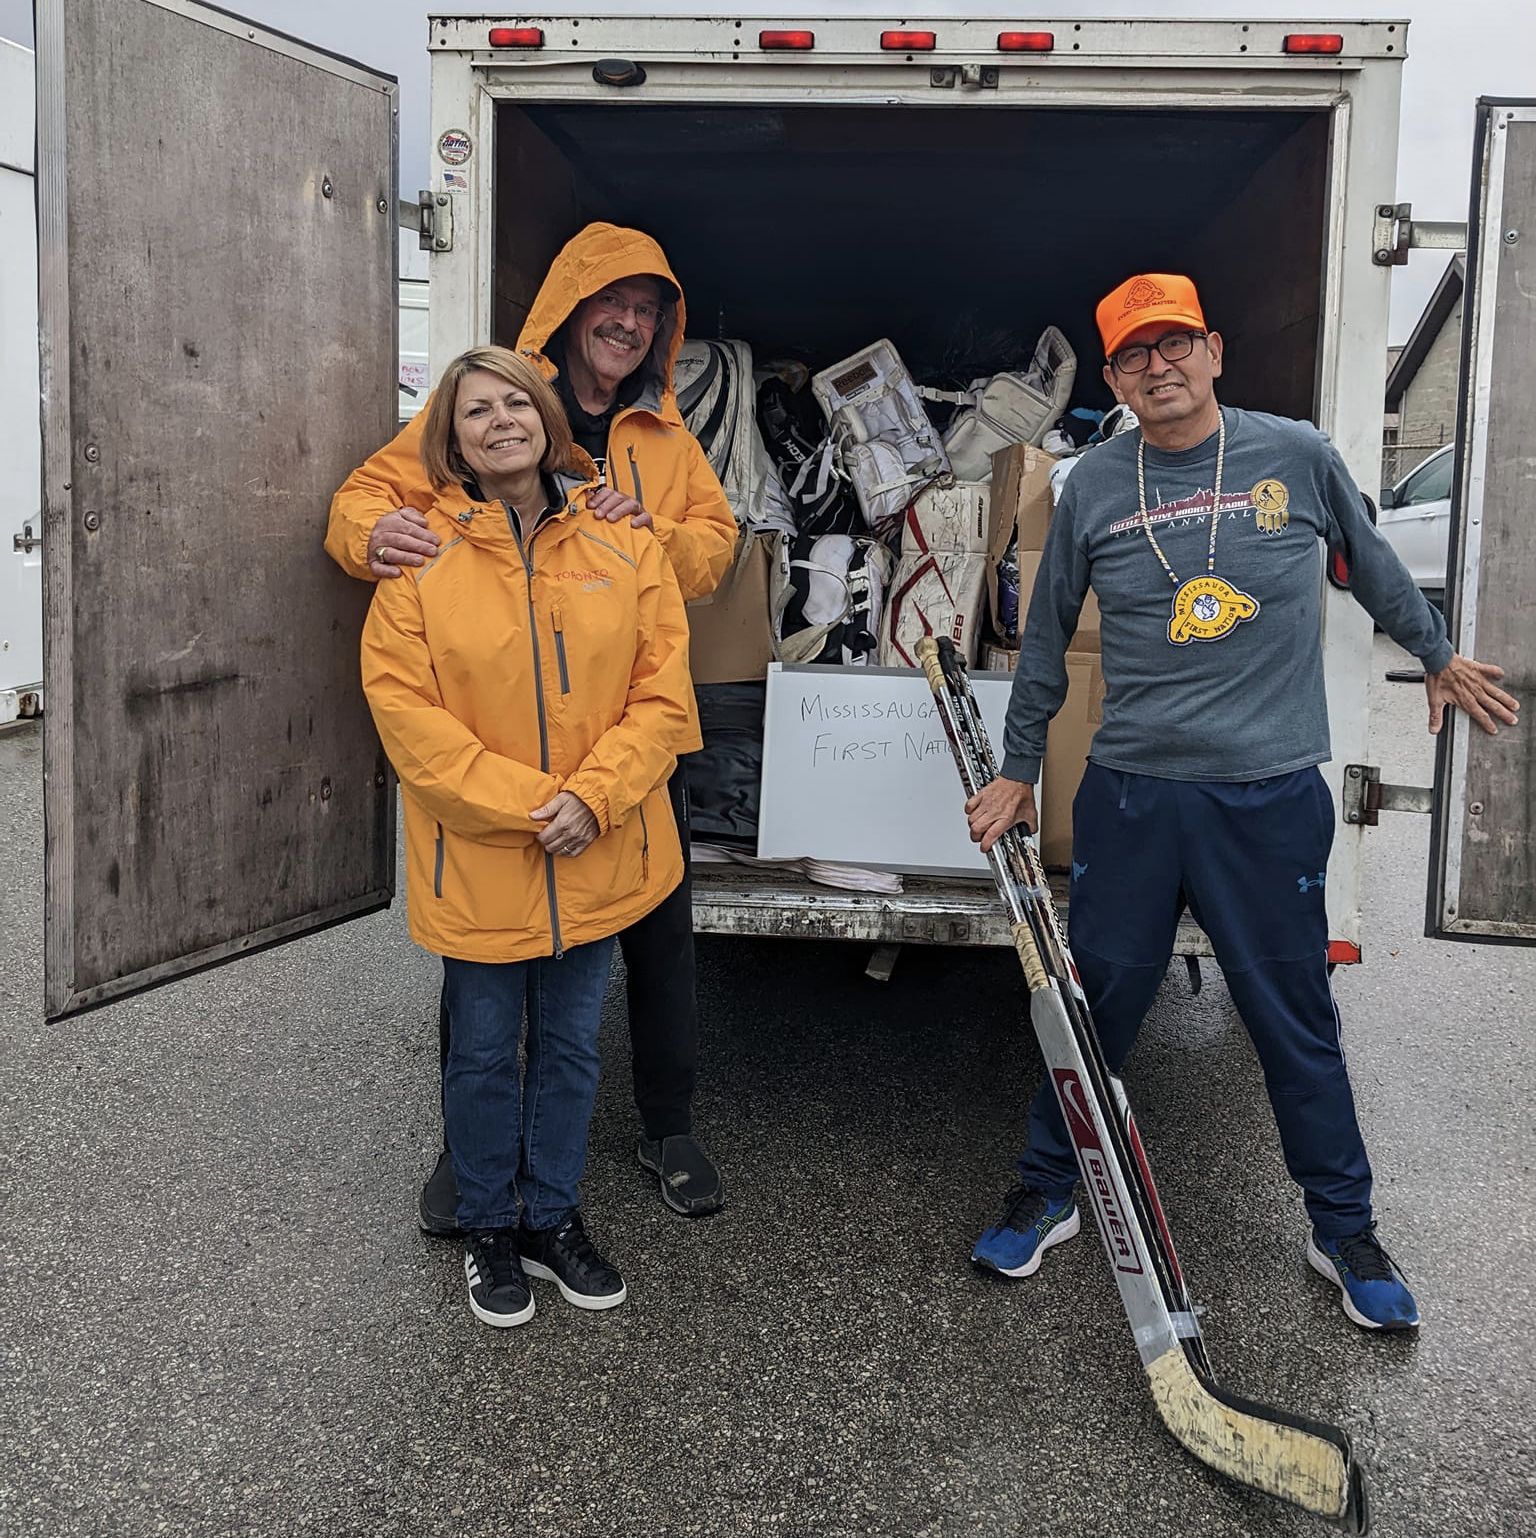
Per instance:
(1415,516)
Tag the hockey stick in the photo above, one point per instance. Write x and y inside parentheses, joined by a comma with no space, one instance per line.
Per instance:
(1302,1461)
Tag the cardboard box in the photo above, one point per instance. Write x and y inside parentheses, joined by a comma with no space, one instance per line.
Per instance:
(1066,755)
(1021,497)
(1021,504)
(731,631)
(1086,637)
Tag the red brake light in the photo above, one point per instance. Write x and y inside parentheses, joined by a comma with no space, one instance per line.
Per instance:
(517,37)
(1314,42)
(786,39)
(909,42)
(1026,42)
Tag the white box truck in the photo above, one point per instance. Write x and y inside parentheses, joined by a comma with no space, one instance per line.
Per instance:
(21,511)
(817,184)
(949,182)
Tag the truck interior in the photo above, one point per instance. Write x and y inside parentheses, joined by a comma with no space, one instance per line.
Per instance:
(958,232)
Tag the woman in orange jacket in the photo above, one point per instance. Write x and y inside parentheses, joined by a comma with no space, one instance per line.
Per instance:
(530,685)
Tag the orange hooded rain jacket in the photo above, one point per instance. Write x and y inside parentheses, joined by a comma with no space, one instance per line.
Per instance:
(513,666)
(651,455)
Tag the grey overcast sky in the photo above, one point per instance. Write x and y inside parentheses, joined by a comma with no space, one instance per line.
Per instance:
(1458,50)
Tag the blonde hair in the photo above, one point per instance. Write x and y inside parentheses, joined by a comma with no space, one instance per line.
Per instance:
(440,455)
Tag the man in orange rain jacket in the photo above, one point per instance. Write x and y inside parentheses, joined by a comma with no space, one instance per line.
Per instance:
(605,327)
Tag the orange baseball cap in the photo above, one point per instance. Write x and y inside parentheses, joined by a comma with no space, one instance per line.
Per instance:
(1146,300)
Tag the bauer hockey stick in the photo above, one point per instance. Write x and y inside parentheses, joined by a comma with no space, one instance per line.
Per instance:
(1302,1461)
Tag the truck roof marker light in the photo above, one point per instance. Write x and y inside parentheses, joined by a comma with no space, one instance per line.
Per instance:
(1314,42)
(909,42)
(772,40)
(517,37)
(1026,42)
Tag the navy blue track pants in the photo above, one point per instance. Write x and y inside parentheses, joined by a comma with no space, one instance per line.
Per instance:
(1250,860)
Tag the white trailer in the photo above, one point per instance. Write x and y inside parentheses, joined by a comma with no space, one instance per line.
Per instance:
(21,507)
(816,184)
(414,299)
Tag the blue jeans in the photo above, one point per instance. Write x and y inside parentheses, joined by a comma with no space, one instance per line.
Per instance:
(512,1139)
(1250,860)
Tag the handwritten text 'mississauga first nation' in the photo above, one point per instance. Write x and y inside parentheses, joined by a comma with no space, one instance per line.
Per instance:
(831,748)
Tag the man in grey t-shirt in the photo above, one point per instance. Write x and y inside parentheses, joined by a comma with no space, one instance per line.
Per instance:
(1202,537)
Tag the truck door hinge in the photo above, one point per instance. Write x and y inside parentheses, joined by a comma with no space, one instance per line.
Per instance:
(1396,232)
(432,217)
(1365,797)
(26,541)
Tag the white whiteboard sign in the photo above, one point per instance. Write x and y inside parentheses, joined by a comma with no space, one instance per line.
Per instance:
(857,770)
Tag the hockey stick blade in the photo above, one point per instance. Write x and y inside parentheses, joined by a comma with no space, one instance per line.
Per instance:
(1306,1462)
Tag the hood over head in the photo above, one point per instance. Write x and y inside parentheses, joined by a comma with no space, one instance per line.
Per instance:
(588,262)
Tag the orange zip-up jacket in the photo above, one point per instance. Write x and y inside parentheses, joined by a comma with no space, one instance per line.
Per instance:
(510,667)
(651,455)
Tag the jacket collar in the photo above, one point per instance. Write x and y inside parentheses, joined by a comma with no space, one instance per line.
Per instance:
(485,522)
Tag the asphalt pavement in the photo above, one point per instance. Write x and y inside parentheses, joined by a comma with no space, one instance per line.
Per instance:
(217,1316)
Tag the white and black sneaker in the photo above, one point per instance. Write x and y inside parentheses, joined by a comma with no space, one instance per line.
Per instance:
(499,1293)
(565,1256)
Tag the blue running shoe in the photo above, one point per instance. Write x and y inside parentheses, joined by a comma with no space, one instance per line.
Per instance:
(1373,1291)
(1031,1223)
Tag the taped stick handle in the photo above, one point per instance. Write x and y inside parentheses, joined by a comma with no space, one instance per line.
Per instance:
(928,660)
(1029,955)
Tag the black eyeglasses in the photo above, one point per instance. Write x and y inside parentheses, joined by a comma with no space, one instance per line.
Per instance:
(1173,347)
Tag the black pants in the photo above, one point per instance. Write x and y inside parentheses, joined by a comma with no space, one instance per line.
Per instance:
(663,1008)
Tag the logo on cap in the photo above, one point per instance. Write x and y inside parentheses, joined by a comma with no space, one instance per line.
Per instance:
(1142,293)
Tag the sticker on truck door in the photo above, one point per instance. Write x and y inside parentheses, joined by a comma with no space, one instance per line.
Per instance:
(454,147)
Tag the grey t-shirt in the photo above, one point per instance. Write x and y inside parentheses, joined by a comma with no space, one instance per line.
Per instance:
(1247,705)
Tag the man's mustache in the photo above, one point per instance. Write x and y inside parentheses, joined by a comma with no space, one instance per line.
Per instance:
(617,333)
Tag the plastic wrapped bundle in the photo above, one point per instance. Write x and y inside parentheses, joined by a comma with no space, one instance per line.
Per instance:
(725,776)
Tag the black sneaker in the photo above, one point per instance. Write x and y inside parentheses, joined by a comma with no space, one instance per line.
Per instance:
(690,1183)
(566,1257)
(499,1293)
(439,1205)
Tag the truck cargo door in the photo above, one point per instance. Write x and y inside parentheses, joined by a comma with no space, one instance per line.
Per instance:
(1483,855)
(217,254)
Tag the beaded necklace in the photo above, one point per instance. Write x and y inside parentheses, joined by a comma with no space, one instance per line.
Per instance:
(1205,608)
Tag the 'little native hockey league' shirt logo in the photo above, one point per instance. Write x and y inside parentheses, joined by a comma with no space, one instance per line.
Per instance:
(1090,1153)
(1271,505)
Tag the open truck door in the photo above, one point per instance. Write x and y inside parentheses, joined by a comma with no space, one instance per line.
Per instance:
(1482,882)
(217,243)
